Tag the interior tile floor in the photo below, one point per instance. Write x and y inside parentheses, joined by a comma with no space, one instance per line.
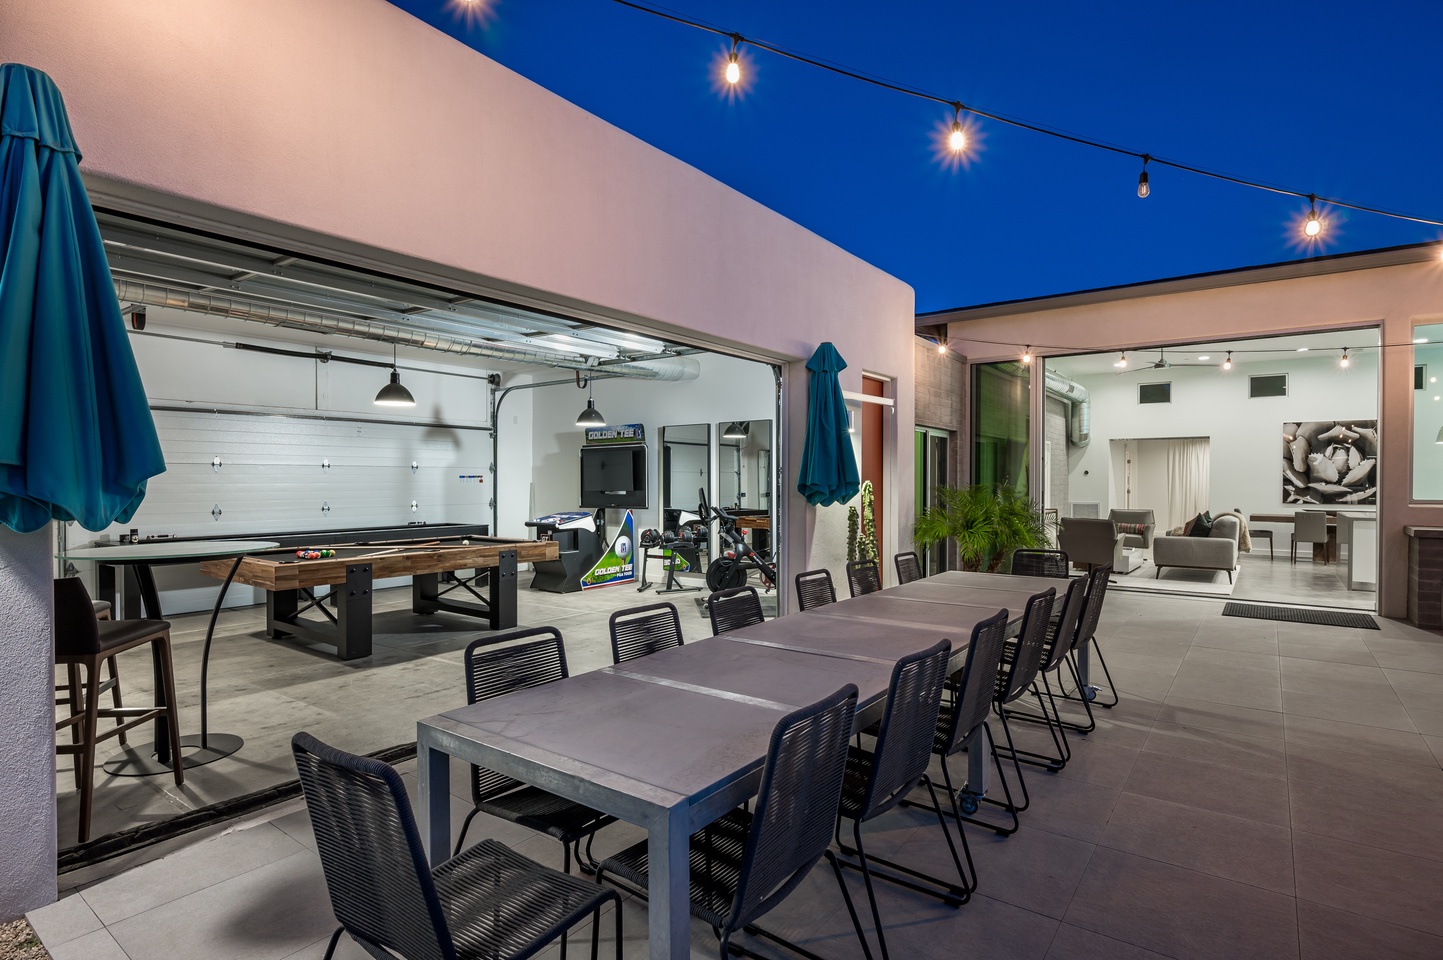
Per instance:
(1263,790)
(1259,578)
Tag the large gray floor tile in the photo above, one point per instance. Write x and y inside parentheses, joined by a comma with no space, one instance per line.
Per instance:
(1262,641)
(1032,869)
(1369,816)
(1357,738)
(1344,674)
(1098,762)
(1331,934)
(1337,651)
(1407,782)
(1222,718)
(1337,705)
(1072,808)
(1210,787)
(1393,887)
(1075,943)
(1258,696)
(1249,852)
(1199,654)
(1182,913)
(99,945)
(985,929)
(64,920)
(1257,755)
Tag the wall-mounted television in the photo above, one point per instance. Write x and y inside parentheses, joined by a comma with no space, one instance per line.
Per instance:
(613,476)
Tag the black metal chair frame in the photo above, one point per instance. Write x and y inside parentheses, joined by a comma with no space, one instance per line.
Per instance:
(863,576)
(1039,563)
(909,566)
(489,901)
(642,631)
(880,779)
(1055,651)
(1097,582)
(814,589)
(752,860)
(734,608)
(520,666)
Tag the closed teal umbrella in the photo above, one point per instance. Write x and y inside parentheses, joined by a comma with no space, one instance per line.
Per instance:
(77,441)
(829,468)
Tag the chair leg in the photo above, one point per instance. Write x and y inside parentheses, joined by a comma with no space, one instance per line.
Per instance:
(1102,662)
(87,752)
(871,894)
(72,677)
(335,938)
(1064,752)
(115,697)
(1080,697)
(851,909)
(172,708)
(616,909)
(465,825)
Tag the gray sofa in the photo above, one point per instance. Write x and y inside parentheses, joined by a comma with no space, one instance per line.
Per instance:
(1090,542)
(1218,551)
(1144,517)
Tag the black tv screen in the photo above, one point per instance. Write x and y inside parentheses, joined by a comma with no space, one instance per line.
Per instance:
(613,476)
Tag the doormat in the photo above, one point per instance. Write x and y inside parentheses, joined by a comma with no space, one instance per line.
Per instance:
(1325,618)
(148,834)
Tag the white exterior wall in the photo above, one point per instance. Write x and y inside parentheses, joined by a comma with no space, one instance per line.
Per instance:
(1393,298)
(348,129)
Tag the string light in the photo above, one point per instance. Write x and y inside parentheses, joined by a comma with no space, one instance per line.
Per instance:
(941,346)
(1143,189)
(1344,361)
(1228,363)
(1027,354)
(734,68)
(957,138)
(1313,227)
(1122,360)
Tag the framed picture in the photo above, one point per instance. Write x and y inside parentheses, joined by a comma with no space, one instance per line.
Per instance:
(1330,462)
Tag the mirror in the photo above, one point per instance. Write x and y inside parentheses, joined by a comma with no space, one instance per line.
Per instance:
(744,465)
(685,465)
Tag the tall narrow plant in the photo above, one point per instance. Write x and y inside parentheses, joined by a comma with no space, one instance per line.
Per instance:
(852,535)
(988,521)
(868,545)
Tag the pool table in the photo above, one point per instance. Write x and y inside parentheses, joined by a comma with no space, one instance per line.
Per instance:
(434,566)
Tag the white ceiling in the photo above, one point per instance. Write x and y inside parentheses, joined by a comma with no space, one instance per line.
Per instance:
(1268,350)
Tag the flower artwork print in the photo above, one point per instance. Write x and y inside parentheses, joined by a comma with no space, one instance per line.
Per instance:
(1330,461)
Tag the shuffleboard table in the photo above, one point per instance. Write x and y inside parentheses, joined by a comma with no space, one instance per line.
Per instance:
(434,566)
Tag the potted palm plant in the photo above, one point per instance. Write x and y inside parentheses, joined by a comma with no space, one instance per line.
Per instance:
(988,521)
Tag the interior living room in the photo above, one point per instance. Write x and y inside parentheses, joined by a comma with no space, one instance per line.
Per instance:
(1243,469)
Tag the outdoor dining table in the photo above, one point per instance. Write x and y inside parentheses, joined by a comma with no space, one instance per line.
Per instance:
(672,741)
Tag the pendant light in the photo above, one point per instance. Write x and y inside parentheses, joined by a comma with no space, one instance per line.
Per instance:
(736,430)
(394,394)
(590,417)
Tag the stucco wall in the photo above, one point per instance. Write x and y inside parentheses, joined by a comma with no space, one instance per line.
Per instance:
(1393,298)
(348,129)
(27,718)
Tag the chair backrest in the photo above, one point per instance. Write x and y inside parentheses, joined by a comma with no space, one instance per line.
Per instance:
(796,806)
(1016,678)
(1092,609)
(733,609)
(979,681)
(641,631)
(1088,540)
(1310,526)
(814,589)
(909,568)
(76,631)
(909,725)
(380,885)
(494,671)
(1059,640)
(1039,563)
(863,576)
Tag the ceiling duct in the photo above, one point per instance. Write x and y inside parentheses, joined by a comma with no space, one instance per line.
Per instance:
(1079,401)
(668,368)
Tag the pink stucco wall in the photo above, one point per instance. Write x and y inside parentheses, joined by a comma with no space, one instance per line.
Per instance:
(1393,298)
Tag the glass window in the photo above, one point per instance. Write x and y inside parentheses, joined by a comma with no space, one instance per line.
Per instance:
(1000,413)
(1428,412)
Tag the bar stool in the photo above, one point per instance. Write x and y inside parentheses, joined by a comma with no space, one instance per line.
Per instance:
(67,694)
(83,641)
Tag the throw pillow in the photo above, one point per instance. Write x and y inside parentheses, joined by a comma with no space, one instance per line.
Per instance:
(1202,525)
(1136,529)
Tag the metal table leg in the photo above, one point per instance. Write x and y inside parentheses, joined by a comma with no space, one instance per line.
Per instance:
(433,776)
(669,887)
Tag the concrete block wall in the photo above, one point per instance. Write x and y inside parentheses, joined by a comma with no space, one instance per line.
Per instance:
(941,380)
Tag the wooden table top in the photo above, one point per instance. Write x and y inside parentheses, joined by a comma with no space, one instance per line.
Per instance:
(279,573)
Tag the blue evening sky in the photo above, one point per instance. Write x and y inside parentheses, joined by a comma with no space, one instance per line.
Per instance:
(1338,98)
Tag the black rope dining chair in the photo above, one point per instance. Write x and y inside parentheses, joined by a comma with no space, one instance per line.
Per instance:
(1039,563)
(733,609)
(879,779)
(1016,676)
(863,576)
(1086,633)
(747,862)
(909,568)
(814,589)
(1054,655)
(642,631)
(493,671)
(488,902)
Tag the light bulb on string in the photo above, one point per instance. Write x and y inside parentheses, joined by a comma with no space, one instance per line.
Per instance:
(1027,354)
(1121,360)
(734,69)
(941,346)
(1313,226)
(1344,361)
(957,138)
(1143,188)
(1228,361)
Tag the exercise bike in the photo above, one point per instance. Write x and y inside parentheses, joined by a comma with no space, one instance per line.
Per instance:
(735,557)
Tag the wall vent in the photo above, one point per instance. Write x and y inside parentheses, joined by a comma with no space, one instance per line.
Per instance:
(1268,385)
(1089,511)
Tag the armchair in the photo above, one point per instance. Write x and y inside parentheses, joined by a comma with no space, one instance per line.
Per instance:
(1090,542)
(1144,518)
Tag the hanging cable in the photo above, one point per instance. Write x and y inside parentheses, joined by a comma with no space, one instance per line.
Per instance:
(1060,134)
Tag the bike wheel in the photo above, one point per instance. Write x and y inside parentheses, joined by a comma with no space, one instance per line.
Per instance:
(724,573)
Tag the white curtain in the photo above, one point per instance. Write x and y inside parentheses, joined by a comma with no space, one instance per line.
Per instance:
(1189,476)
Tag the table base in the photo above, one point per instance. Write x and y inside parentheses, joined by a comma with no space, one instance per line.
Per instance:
(141,761)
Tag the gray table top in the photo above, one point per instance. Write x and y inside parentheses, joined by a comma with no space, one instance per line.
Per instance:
(844,637)
(1012,595)
(157,550)
(997,581)
(881,608)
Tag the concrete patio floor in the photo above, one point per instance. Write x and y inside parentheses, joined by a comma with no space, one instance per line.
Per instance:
(1263,790)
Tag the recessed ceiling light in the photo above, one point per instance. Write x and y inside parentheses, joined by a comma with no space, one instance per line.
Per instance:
(1302,349)
(1204,357)
(1432,379)
(1420,339)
